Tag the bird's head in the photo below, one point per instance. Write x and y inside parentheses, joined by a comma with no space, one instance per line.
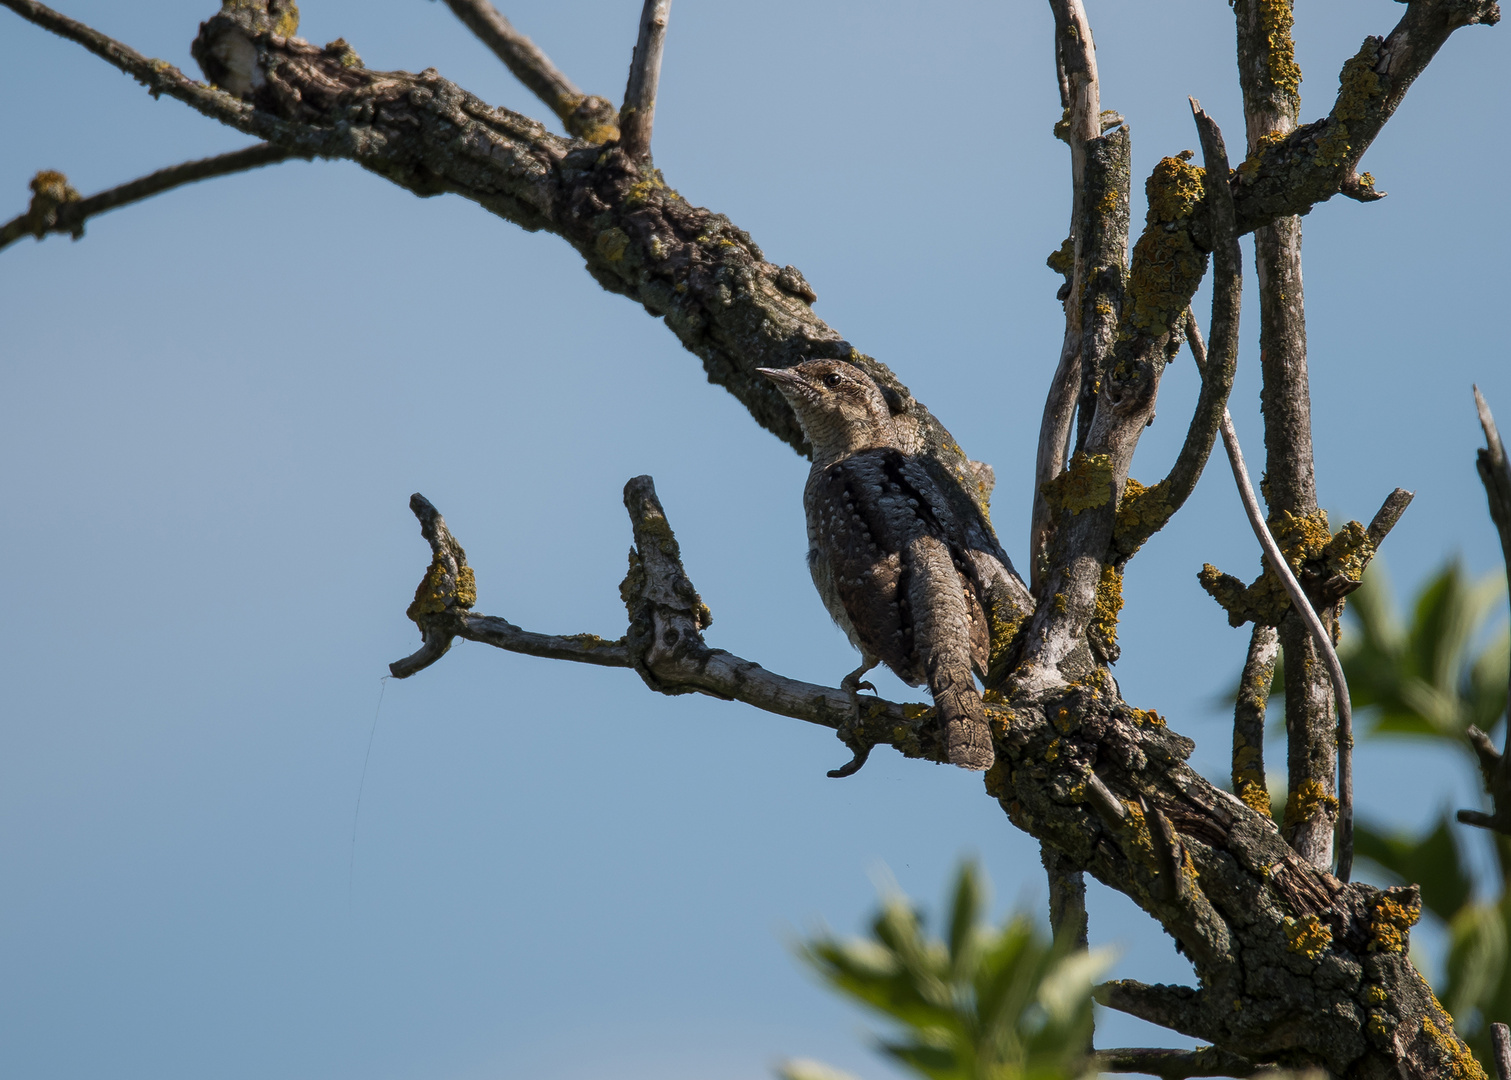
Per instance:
(839,406)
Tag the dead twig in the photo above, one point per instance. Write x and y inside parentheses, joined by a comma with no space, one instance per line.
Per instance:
(1303,607)
(1495,766)
(585,115)
(638,114)
(58,208)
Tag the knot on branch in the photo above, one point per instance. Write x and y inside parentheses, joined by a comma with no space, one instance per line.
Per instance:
(667,616)
(592,118)
(249,50)
(447,590)
(1328,565)
(50,191)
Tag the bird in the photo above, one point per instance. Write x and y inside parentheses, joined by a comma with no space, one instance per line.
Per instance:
(887,553)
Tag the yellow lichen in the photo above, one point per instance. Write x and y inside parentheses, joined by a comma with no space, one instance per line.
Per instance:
(1302,804)
(1141,512)
(1308,936)
(1280,52)
(1458,1063)
(1391,920)
(1375,995)
(1248,778)
(1359,88)
(1109,603)
(1085,485)
(1174,190)
(611,244)
(1147,717)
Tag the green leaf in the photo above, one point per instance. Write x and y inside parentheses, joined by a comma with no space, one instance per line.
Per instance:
(1432,861)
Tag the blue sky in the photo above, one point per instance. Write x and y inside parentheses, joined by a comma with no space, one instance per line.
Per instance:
(214,407)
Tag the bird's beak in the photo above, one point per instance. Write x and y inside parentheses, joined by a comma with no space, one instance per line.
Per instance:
(783,377)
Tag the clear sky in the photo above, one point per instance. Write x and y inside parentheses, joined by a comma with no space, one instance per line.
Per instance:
(214,407)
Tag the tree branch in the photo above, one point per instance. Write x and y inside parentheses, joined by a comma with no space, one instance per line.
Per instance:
(664,643)
(1177,1064)
(1495,766)
(1320,634)
(1286,177)
(1249,782)
(161,77)
(57,208)
(1094,248)
(638,114)
(1500,1036)
(585,115)
(1145,511)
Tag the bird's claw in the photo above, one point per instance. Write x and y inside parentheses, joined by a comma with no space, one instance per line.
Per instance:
(861,751)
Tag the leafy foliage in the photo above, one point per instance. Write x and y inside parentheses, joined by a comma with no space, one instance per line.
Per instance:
(983,1003)
(1425,679)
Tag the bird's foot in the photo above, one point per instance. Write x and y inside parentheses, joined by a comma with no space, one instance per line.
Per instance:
(849,732)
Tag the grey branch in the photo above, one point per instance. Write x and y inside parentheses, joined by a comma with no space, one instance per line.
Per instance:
(57,208)
(1248,718)
(161,77)
(1076,69)
(1390,512)
(638,114)
(1495,766)
(1320,634)
(1500,1037)
(585,115)
(1177,1064)
(1219,367)
(665,640)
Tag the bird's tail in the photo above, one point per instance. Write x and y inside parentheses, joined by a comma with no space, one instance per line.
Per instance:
(967,738)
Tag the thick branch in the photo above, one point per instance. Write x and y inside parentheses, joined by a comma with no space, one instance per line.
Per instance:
(57,208)
(638,114)
(585,115)
(1176,1064)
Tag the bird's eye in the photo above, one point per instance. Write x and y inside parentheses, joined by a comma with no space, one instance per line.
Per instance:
(832,380)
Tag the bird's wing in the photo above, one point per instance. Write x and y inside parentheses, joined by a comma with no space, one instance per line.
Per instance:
(869,572)
(938,519)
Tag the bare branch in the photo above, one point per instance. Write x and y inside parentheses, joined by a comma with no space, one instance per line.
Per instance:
(1495,766)
(664,643)
(638,114)
(1076,69)
(161,77)
(585,115)
(1248,718)
(57,208)
(1390,512)
(1500,1037)
(1324,639)
(1178,1008)
(1145,512)
(1177,1064)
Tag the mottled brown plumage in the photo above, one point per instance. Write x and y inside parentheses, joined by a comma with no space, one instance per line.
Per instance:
(886,553)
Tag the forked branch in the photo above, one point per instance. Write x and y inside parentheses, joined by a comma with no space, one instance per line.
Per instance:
(664,643)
